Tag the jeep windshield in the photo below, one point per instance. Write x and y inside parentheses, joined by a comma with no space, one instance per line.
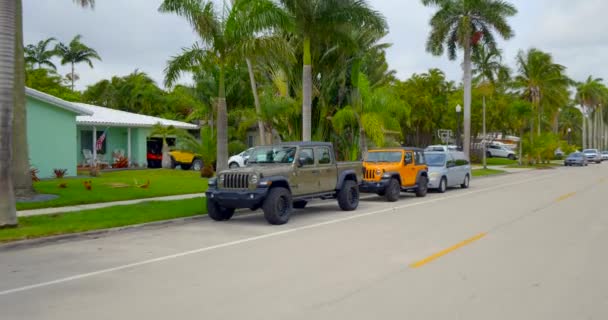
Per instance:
(388,156)
(435,159)
(265,155)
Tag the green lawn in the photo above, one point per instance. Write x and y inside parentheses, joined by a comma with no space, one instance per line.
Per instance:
(116,186)
(499,161)
(486,172)
(56,224)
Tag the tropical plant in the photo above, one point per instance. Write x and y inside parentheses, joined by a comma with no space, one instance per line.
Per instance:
(164,132)
(222,44)
(76,52)
(319,20)
(8,12)
(462,24)
(206,146)
(40,55)
(542,82)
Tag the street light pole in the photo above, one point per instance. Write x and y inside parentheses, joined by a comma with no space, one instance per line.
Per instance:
(569,131)
(458,110)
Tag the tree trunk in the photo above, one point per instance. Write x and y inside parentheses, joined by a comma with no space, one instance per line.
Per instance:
(256,101)
(8,213)
(72,77)
(22,180)
(307,92)
(222,126)
(521,145)
(166,162)
(584,144)
(467,98)
(483,150)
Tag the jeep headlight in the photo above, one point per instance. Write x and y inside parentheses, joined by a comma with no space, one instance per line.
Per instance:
(379,172)
(222,178)
(212,182)
(254,179)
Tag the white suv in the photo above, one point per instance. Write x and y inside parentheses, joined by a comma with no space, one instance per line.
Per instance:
(498,151)
(240,159)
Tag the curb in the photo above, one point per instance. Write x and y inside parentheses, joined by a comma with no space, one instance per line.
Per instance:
(27,243)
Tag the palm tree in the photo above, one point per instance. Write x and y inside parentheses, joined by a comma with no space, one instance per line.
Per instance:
(8,12)
(40,55)
(164,133)
(542,81)
(488,67)
(460,24)
(223,42)
(76,52)
(315,20)
(589,94)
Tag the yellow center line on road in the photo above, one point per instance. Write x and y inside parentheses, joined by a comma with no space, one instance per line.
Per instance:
(437,255)
(566,196)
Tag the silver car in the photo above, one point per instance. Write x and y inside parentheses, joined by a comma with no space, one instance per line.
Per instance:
(448,169)
(593,155)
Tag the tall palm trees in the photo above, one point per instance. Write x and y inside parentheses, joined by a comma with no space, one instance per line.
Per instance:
(315,20)
(8,216)
(40,55)
(76,52)
(459,24)
(542,81)
(590,94)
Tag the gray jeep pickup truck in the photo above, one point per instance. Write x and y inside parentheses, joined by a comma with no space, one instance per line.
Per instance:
(281,177)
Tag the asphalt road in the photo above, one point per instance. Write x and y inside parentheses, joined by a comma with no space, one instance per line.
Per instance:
(530,245)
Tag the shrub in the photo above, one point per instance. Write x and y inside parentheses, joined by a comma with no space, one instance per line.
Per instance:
(121,162)
(34,173)
(60,173)
(207,171)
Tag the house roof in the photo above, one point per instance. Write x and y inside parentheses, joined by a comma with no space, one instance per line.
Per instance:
(69,106)
(116,118)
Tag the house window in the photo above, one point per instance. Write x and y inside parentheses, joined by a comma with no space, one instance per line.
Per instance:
(86,141)
(250,141)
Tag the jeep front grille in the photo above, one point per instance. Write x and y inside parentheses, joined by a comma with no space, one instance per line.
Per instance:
(369,174)
(236,181)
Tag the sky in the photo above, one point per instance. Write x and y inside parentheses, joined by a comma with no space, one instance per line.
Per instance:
(132,34)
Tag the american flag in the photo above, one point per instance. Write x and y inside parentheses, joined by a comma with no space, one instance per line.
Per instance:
(100,140)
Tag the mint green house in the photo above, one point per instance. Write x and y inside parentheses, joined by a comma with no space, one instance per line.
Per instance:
(65,135)
(51,133)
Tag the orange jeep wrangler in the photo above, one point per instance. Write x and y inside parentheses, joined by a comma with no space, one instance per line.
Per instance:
(388,172)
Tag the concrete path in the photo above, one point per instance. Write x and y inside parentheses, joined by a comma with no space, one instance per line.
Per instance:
(517,246)
(36,212)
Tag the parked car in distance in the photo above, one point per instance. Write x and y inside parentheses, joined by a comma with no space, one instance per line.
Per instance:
(439,147)
(388,172)
(448,169)
(239,160)
(498,151)
(604,155)
(281,177)
(593,155)
(559,154)
(576,159)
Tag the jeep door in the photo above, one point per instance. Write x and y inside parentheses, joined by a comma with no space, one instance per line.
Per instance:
(307,174)
(409,173)
(328,171)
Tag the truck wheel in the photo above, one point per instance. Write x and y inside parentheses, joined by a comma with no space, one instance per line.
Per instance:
(348,197)
(422,187)
(393,190)
(277,206)
(300,204)
(217,212)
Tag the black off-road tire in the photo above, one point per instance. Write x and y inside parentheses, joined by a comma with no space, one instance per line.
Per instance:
(393,190)
(423,187)
(465,183)
(300,204)
(217,212)
(197,164)
(278,206)
(443,185)
(348,196)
